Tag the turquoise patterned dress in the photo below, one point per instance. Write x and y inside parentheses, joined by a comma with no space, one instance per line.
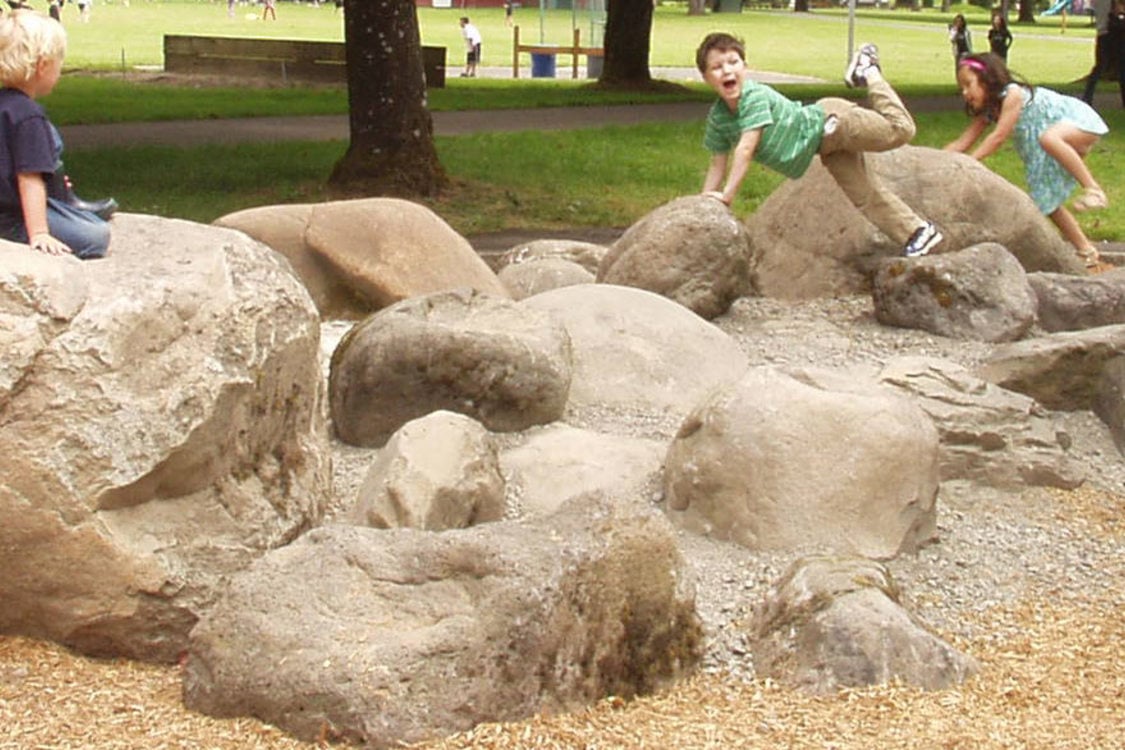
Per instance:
(1047,182)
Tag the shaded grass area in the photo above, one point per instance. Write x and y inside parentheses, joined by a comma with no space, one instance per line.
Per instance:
(609,176)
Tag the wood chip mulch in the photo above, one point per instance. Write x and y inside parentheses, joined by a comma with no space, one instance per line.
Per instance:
(1052,676)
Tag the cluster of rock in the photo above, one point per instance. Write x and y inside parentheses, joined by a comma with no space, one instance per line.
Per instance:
(536,439)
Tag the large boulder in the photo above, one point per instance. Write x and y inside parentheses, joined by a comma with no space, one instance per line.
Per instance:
(532,277)
(488,358)
(359,256)
(1072,303)
(1061,370)
(395,637)
(774,462)
(558,462)
(692,250)
(160,428)
(990,435)
(831,622)
(635,351)
(586,254)
(808,240)
(440,471)
(980,293)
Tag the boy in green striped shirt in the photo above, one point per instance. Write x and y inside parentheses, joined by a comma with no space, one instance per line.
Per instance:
(753,122)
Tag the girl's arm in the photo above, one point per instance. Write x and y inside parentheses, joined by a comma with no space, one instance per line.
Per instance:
(969,137)
(1010,109)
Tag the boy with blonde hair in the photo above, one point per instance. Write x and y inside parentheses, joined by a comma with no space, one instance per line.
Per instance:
(753,122)
(34,205)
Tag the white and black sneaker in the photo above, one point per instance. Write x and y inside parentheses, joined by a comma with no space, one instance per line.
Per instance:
(865,59)
(924,239)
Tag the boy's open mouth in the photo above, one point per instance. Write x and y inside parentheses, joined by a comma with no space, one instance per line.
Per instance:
(730,85)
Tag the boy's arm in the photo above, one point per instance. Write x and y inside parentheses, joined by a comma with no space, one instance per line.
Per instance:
(33,198)
(740,165)
(969,137)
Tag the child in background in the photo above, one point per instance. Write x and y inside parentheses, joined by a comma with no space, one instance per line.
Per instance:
(1052,134)
(999,37)
(960,39)
(752,121)
(32,47)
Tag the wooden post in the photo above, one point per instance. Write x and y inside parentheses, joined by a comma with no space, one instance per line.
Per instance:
(515,52)
(574,51)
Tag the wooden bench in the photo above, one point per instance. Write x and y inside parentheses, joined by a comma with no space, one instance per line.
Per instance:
(574,50)
(285,59)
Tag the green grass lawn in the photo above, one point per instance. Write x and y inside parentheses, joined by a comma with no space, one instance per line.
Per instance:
(595,177)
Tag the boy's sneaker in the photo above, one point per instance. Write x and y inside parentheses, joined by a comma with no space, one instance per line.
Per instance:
(865,58)
(924,239)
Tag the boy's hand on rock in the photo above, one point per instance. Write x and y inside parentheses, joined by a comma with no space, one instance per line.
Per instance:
(45,243)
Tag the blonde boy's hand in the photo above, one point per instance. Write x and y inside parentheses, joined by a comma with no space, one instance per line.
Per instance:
(45,243)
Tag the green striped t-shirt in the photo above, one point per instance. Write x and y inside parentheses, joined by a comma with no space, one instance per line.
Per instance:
(791,132)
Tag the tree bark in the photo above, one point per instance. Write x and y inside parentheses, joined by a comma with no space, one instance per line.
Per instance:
(1027,11)
(628,35)
(696,7)
(801,6)
(392,132)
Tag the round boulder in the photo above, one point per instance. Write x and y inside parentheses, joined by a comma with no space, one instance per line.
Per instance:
(504,365)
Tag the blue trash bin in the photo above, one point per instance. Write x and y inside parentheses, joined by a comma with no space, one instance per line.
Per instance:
(542,65)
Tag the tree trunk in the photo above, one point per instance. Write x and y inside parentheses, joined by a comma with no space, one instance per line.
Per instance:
(628,35)
(696,7)
(800,6)
(392,133)
(1027,11)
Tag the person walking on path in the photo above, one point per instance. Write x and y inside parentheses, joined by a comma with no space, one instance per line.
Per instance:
(1052,134)
(1109,46)
(999,37)
(751,121)
(472,47)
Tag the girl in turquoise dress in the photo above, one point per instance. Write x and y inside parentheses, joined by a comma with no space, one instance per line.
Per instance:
(1052,135)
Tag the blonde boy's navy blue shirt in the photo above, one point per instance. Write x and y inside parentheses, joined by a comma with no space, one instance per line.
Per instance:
(28,143)
(791,132)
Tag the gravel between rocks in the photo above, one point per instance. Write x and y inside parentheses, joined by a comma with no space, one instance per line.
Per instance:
(1029,583)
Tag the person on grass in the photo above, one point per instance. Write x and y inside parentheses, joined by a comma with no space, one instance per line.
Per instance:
(34,205)
(472,47)
(1052,135)
(753,122)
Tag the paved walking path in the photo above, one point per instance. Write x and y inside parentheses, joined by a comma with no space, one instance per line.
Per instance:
(335,127)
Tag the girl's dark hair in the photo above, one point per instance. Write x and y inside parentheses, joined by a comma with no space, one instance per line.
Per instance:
(1003,21)
(721,41)
(994,77)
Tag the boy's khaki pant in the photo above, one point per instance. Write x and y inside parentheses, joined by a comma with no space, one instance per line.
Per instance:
(885,126)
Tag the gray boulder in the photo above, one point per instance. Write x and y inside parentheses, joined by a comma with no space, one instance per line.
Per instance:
(990,435)
(638,352)
(160,428)
(440,471)
(831,623)
(558,462)
(1072,303)
(1109,400)
(586,254)
(809,241)
(507,367)
(358,256)
(395,637)
(691,250)
(532,277)
(776,463)
(980,293)
(1061,371)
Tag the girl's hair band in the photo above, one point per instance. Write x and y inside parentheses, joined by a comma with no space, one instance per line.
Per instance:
(973,64)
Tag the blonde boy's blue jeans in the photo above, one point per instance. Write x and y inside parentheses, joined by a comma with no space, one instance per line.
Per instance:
(85,233)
